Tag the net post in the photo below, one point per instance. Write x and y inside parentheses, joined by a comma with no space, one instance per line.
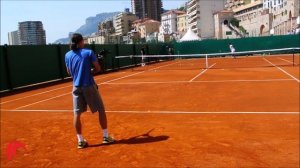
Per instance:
(206,61)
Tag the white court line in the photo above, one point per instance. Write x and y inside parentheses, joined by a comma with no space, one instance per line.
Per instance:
(137,73)
(98,84)
(254,80)
(216,81)
(121,77)
(286,60)
(282,70)
(202,72)
(96,79)
(43,100)
(167,112)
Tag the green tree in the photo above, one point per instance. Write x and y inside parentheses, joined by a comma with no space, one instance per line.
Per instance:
(235,22)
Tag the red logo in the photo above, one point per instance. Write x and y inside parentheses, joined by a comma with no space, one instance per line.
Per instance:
(11,149)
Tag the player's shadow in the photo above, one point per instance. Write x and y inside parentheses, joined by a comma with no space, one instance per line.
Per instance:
(140,139)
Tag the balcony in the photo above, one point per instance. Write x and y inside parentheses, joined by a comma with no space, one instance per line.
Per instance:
(120,27)
(192,13)
(192,7)
(191,2)
(119,21)
(194,17)
(193,24)
(119,16)
(194,29)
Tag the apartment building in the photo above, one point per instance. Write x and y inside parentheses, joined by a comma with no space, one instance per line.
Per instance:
(182,24)
(13,38)
(272,4)
(32,33)
(97,39)
(231,4)
(200,16)
(222,30)
(135,35)
(169,21)
(254,19)
(285,13)
(123,23)
(147,27)
(105,28)
(147,9)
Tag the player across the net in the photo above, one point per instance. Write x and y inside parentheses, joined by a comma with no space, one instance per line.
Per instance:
(244,59)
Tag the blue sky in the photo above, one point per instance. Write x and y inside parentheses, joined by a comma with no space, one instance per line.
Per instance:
(60,17)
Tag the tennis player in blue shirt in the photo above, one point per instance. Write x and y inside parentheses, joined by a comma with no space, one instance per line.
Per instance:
(85,91)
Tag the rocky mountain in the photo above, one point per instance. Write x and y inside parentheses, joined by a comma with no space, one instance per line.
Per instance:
(90,26)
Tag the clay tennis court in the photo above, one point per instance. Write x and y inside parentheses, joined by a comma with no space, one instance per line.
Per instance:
(164,116)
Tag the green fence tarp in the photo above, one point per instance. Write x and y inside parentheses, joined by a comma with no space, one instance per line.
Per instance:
(32,64)
(3,72)
(242,44)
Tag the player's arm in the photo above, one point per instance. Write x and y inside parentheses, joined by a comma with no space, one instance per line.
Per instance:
(68,71)
(67,68)
(96,67)
(94,60)
(67,65)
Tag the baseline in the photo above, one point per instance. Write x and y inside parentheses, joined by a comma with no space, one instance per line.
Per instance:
(213,81)
(167,112)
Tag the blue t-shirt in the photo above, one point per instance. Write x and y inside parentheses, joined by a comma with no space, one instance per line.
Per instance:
(79,64)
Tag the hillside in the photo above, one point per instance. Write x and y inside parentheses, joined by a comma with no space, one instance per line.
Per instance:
(90,26)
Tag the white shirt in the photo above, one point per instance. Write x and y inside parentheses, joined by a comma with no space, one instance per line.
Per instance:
(232,48)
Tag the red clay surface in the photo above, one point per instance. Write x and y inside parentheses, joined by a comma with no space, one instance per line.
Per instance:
(165,117)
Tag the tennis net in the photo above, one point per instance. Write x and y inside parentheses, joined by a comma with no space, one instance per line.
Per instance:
(245,59)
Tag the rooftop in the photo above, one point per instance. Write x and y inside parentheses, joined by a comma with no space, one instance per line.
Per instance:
(178,12)
(259,2)
(150,21)
(223,11)
(140,20)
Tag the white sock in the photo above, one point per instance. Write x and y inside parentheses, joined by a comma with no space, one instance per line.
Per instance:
(105,133)
(80,138)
